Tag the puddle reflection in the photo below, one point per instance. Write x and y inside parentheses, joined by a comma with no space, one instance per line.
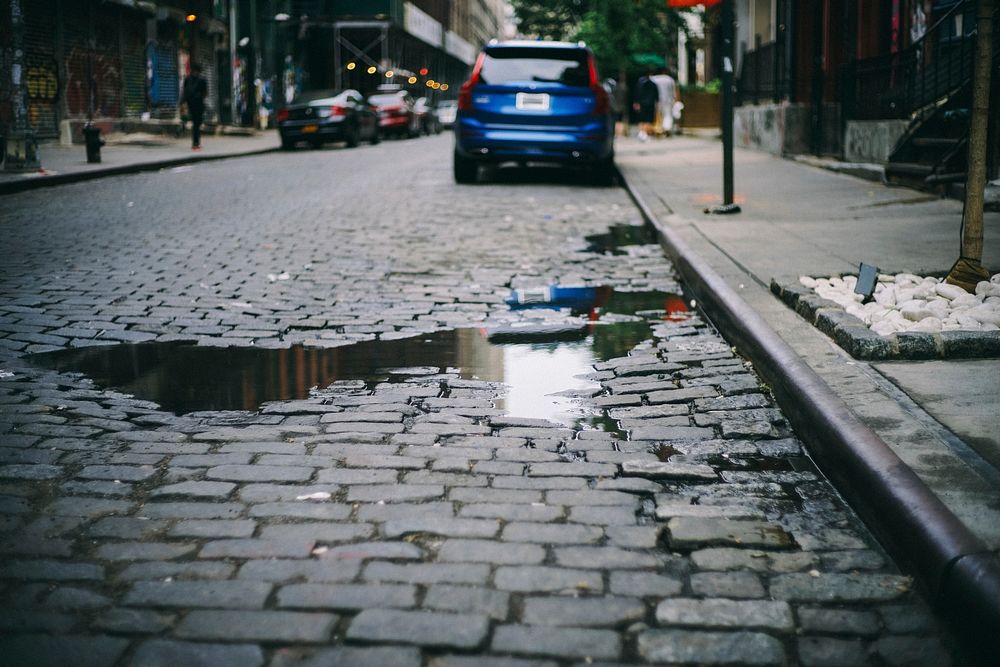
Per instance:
(542,366)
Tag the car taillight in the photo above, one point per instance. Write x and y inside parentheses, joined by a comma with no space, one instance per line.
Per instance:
(282,115)
(601,102)
(337,111)
(465,92)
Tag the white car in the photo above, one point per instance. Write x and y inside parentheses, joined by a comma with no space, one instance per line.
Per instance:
(446,113)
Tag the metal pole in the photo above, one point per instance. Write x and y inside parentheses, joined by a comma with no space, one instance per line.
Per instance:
(728,31)
(22,148)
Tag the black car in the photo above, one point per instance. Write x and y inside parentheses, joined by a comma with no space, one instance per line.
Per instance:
(319,116)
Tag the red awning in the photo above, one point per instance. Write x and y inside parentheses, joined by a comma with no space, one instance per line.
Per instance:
(691,3)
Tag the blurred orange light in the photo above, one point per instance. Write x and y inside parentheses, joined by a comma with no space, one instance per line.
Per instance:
(351,66)
(444,86)
(389,74)
(412,80)
(372,69)
(191,18)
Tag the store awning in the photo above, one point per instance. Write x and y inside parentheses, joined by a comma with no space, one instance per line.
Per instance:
(138,5)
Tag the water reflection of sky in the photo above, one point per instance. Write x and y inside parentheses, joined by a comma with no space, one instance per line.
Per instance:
(535,373)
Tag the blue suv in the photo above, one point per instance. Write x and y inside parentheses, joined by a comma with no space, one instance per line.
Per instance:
(534,102)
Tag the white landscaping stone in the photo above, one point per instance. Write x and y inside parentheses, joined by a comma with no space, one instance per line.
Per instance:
(906,302)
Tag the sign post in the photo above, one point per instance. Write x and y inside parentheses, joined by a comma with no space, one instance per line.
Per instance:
(726,117)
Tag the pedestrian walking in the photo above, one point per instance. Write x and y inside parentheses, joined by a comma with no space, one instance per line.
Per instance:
(667,89)
(644,105)
(194,92)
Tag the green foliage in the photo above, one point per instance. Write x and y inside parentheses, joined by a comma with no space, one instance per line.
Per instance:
(615,30)
(713,86)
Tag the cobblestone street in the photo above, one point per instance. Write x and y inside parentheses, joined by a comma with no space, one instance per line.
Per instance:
(404,519)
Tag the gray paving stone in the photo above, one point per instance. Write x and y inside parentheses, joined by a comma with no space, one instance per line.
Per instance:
(710,648)
(488,551)
(604,611)
(441,525)
(195,489)
(722,613)
(263,626)
(143,551)
(195,510)
(830,652)
(727,585)
(544,579)
(349,656)
(588,497)
(572,470)
(303,510)
(170,653)
(325,532)
(603,516)
(839,587)
(211,594)
(897,651)
(50,570)
(644,584)
(122,473)
(753,559)
(427,573)
(259,473)
(584,643)
(666,470)
(46,650)
(134,621)
(392,493)
(347,596)
(554,533)
(468,599)
(838,621)
(512,512)
(605,557)
(257,548)
(423,628)
(213,528)
(265,493)
(486,661)
(320,571)
(688,533)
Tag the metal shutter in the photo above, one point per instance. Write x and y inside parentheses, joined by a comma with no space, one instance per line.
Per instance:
(106,62)
(205,56)
(163,88)
(134,64)
(41,70)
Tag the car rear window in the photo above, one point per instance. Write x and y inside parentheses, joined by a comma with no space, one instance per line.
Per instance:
(386,98)
(535,65)
(313,95)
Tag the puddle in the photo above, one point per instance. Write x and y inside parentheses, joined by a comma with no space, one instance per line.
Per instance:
(620,236)
(542,366)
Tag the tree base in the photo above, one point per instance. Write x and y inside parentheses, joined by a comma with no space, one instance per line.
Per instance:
(966,273)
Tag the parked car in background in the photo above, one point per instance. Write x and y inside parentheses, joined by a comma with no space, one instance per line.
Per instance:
(427,116)
(395,113)
(534,102)
(320,116)
(446,113)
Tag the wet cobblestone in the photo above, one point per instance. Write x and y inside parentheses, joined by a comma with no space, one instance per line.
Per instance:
(404,522)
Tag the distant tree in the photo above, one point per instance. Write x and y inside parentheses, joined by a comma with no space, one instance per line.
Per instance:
(616,30)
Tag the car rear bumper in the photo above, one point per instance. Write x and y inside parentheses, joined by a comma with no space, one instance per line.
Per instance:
(325,130)
(488,143)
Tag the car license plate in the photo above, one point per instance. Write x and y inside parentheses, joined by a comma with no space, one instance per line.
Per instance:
(309,129)
(532,101)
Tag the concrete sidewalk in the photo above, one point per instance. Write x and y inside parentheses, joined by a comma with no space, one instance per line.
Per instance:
(940,417)
(130,153)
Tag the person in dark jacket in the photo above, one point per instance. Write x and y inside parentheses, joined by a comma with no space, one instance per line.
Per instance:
(646,97)
(194,92)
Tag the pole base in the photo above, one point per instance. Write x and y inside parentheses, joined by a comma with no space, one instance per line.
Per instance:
(966,273)
(21,153)
(724,209)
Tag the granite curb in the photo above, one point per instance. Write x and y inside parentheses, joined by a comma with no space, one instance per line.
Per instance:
(16,185)
(960,574)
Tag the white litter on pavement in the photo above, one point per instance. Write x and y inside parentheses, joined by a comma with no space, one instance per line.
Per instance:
(906,302)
